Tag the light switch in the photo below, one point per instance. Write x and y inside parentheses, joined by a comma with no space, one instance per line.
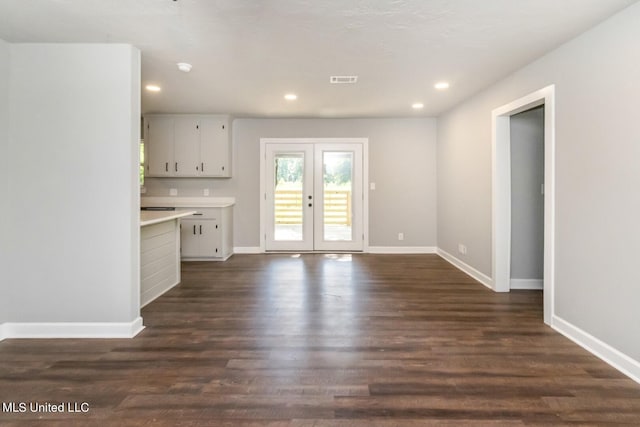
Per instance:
(205,192)
(372,185)
(173,191)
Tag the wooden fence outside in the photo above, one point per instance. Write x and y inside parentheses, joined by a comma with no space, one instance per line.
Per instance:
(337,207)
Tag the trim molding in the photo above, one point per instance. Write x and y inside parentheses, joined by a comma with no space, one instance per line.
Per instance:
(604,351)
(466,268)
(401,250)
(72,329)
(3,333)
(527,284)
(247,250)
(501,192)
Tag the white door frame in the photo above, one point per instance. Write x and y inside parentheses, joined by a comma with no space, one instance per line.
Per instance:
(501,192)
(306,244)
(365,179)
(320,243)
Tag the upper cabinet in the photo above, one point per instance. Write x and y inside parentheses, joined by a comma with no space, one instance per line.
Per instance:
(181,145)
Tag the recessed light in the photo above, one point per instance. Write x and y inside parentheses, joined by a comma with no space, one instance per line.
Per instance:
(153,88)
(441,85)
(291,97)
(184,67)
(417,106)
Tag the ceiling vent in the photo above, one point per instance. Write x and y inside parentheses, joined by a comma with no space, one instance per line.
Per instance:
(343,79)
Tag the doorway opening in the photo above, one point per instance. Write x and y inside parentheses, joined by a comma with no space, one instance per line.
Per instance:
(502,193)
(527,199)
(313,198)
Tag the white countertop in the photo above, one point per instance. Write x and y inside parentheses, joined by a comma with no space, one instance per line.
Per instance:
(187,202)
(155,217)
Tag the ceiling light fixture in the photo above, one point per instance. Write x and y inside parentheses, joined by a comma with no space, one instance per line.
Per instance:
(184,67)
(417,106)
(291,97)
(153,88)
(441,85)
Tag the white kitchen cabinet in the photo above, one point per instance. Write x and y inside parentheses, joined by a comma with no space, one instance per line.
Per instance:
(187,145)
(206,235)
(186,150)
(159,146)
(215,147)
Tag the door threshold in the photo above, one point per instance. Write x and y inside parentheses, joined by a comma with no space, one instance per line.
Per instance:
(312,252)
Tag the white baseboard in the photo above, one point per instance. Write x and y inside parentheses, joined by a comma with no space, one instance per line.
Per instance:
(466,268)
(3,334)
(72,329)
(247,250)
(527,284)
(604,351)
(401,250)
(371,249)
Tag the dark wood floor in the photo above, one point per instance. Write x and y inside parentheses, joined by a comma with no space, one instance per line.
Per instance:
(320,340)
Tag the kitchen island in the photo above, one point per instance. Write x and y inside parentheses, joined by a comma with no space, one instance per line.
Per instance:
(159,252)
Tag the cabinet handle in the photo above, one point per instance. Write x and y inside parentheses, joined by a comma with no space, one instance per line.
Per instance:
(194,229)
(216,226)
(166,167)
(223,168)
(197,214)
(202,167)
(176,166)
(201,229)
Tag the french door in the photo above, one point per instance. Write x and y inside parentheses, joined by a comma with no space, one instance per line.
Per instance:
(314,197)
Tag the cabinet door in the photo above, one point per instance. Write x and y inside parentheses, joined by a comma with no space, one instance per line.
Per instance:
(210,241)
(190,238)
(158,143)
(215,147)
(186,147)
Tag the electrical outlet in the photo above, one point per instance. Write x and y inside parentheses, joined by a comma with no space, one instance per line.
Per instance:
(400,236)
(173,191)
(462,249)
(205,192)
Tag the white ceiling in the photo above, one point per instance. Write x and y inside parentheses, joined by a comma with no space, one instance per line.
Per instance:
(247,54)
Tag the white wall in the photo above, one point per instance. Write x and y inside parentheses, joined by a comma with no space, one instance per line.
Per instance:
(4,177)
(527,200)
(597,176)
(402,156)
(73,195)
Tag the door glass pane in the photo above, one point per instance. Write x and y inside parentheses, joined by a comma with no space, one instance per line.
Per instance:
(337,169)
(289,173)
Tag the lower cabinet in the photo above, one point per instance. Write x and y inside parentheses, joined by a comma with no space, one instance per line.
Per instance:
(207,234)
